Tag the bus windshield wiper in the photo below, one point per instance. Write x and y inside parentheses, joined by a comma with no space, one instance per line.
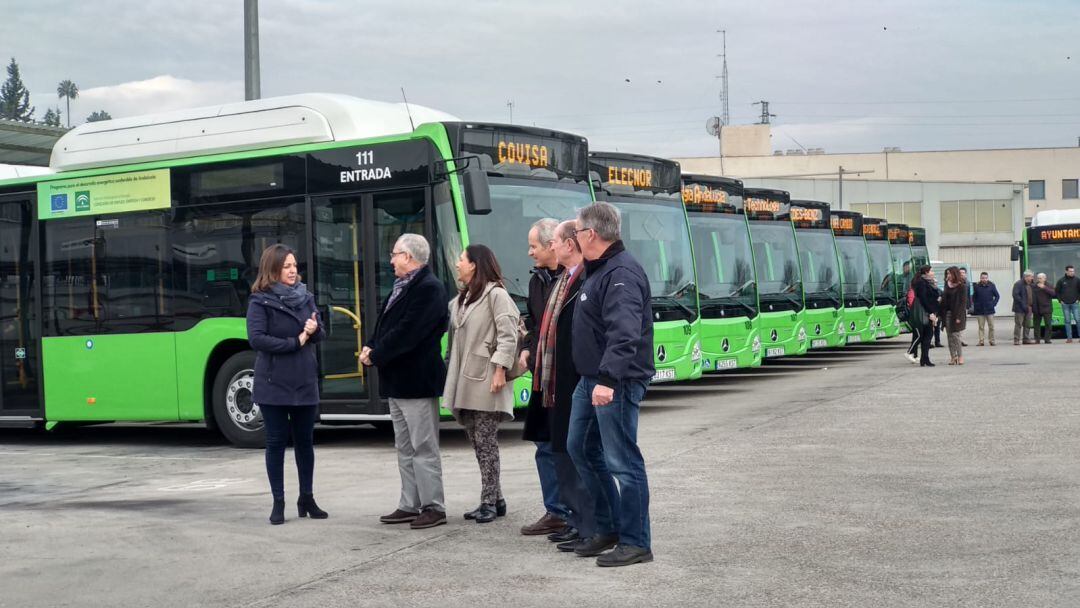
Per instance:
(828,294)
(676,303)
(740,289)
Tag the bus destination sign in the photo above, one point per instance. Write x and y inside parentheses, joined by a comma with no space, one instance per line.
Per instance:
(639,173)
(761,204)
(898,234)
(1047,235)
(809,214)
(846,223)
(872,230)
(520,150)
(702,195)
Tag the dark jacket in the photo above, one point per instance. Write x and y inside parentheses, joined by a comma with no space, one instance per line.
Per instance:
(406,344)
(954,306)
(613,332)
(985,299)
(540,285)
(1068,289)
(1044,299)
(1019,297)
(553,424)
(926,300)
(285,373)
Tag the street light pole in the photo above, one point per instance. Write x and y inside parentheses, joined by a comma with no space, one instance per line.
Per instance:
(251,50)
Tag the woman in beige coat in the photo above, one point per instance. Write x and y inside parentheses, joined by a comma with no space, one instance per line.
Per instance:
(483,343)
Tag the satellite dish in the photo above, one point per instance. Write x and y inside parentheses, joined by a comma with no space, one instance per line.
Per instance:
(712,126)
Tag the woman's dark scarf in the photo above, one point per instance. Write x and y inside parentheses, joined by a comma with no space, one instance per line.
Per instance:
(293,297)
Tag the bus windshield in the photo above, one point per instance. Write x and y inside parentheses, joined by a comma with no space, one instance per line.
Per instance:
(901,256)
(821,270)
(856,265)
(779,279)
(516,203)
(654,232)
(881,267)
(1052,259)
(725,264)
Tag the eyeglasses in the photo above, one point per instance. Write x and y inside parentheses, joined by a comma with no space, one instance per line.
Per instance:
(393,254)
(578,231)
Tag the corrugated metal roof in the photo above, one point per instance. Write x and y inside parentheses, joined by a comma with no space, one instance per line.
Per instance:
(27,143)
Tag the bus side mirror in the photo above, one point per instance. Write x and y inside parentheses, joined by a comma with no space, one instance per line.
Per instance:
(1014,253)
(477,191)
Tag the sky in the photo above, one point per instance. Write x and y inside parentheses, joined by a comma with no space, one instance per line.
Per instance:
(632,75)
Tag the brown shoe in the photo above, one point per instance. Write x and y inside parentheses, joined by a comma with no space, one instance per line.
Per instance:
(1068,341)
(545,525)
(428,519)
(398,517)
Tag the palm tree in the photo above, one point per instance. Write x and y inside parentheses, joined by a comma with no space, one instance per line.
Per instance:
(69,90)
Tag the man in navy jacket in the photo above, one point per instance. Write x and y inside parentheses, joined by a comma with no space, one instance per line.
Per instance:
(613,345)
(406,348)
(984,301)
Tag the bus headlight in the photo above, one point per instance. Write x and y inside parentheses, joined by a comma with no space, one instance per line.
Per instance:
(802,334)
(755,346)
(695,353)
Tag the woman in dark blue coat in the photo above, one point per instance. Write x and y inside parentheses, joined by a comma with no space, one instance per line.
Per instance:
(283,327)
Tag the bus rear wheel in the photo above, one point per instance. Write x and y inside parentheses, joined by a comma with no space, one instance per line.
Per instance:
(237,415)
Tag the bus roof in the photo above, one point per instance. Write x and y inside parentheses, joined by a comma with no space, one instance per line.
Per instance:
(1054,217)
(712,179)
(233,127)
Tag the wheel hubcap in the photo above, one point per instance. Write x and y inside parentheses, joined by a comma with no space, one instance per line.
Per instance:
(243,412)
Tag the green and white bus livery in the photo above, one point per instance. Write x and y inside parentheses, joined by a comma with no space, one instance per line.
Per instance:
(820,267)
(776,258)
(859,319)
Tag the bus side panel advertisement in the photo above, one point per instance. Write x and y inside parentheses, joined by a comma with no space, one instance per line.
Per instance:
(104,194)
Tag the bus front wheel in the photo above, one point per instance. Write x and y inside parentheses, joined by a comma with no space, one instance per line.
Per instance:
(236,414)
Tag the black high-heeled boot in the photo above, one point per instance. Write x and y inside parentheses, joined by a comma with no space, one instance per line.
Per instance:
(277,514)
(500,510)
(485,514)
(306,506)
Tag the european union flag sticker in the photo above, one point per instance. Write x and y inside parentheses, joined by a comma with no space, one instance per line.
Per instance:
(59,203)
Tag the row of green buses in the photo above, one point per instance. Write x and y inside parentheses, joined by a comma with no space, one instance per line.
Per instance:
(125,270)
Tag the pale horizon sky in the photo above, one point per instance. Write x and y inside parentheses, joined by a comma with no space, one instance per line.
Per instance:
(634,76)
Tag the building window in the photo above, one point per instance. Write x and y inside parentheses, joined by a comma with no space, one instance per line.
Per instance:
(1037,190)
(896,213)
(1068,188)
(976,216)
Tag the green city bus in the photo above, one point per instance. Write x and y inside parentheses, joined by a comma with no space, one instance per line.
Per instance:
(648,193)
(776,258)
(920,255)
(820,266)
(900,253)
(886,323)
(859,304)
(1051,243)
(727,280)
(125,272)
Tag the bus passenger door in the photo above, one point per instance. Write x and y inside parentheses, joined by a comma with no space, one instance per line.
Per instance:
(19,397)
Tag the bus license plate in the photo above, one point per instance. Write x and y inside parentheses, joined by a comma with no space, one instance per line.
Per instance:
(662,375)
(854,338)
(775,352)
(819,344)
(880,334)
(727,364)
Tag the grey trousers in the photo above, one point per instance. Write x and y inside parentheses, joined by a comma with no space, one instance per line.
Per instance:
(1021,321)
(416,437)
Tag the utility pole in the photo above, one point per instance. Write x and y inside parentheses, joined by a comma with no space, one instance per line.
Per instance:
(252,87)
(510,106)
(840,194)
(765,116)
(725,114)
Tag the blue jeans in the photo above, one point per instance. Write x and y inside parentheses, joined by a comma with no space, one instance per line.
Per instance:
(549,480)
(603,445)
(280,420)
(1072,315)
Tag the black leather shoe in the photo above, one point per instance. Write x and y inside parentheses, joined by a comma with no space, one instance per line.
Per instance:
(570,545)
(277,514)
(596,545)
(306,506)
(624,555)
(485,514)
(566,534)
(927,364)
(500,510)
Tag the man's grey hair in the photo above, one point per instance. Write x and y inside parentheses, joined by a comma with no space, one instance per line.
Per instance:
(1029,273)
(545,230)
(604,218)
(416,246)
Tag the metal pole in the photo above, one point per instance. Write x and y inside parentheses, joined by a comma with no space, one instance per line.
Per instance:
(251,50)
(840,203)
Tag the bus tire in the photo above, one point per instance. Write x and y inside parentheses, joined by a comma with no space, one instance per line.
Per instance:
(236,415)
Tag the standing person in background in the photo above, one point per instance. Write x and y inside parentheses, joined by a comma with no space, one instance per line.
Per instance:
(545,274)
(482,347)
(954,307)
(983,304)
(970,292)
(1068,293)
(924,313)
(1023,296)
(408,336)
(1043,308)
(283,327)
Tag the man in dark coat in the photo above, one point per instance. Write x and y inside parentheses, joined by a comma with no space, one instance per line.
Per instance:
(984,301)
(405,346)
(1023,298)
(545,274)
(554,381)
(1068,293)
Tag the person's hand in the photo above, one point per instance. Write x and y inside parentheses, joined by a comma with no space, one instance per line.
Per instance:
(365,356)
(498,379)
(602,395)
(311,325)
(523,360)
(303,337)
